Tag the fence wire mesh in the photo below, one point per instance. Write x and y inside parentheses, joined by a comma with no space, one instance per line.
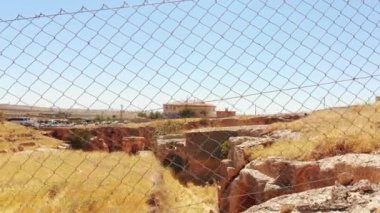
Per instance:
(192,106)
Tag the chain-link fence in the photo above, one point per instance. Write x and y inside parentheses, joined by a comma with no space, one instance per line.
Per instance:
(192,106)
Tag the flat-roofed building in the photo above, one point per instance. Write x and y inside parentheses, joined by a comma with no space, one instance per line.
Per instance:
(225,113)
(201,109)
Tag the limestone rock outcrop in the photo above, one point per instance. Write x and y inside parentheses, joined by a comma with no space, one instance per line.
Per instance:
(261,180)
(238,145)
(362,197)
(251,137)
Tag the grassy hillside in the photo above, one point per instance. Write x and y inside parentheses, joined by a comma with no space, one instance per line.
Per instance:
(327,133)
(14,137)
(69,181)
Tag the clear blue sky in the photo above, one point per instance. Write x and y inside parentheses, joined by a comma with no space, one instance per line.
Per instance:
(273,56)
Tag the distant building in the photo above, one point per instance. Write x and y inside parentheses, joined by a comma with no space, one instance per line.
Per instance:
(201,109)
(225,113)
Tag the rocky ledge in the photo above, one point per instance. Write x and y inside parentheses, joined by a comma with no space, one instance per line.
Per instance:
(361,197)
(262,180)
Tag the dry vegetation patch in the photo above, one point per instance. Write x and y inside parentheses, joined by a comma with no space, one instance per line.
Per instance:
(73,181)
(14,137)
(327,133)
(160,122)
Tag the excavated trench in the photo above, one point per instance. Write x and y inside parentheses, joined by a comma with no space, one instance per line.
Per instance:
(195,156)
(175,162)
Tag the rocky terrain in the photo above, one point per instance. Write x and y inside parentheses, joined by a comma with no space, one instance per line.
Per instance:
(112,138)
(262,180)
(277,163)
(17,138)
(326,162)
(361,197)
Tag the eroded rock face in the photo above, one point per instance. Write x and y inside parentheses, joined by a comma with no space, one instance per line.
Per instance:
(262,180)
(238,145)
(170,145)
(198,153)
(96,144)
(111,136)
(201,172)
(206,143)
(249,137)
(252,137)
(170,150)
(114,136)
(132,145)
(358,198)
(236,121)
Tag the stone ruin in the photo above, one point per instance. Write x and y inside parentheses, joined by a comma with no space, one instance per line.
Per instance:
(196,156)
(254,186)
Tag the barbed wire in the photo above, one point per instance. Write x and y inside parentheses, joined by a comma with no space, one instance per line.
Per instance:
(104,7)
(280,59)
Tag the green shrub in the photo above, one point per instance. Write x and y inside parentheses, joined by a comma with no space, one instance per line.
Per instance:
(142,115)
(168,127)
(62,115)
(99,118)
(79,138)
(152,115)
(225,148)
(186,113)
(155,115)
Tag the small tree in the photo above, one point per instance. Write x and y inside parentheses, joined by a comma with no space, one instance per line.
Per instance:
(62,115)
(159,115)
(186,113)
(155,115)
(99,118)
(142,115)
(79,138)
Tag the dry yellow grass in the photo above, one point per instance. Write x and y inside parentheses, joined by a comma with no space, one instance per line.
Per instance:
(327,133)
(71,181)
(13,136)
